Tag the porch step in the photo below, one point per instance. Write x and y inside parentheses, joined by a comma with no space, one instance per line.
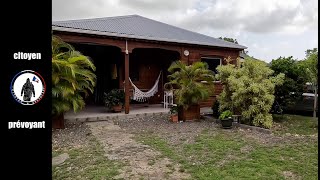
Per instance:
(113,117)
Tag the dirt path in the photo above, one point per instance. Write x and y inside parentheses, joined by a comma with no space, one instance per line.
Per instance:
(141,162)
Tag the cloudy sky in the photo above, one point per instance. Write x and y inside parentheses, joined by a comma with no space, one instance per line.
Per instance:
(269,28)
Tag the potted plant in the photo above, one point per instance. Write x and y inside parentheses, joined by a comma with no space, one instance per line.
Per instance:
(114,99)
(186,81)
(72,76)
(226,119)
(174,113)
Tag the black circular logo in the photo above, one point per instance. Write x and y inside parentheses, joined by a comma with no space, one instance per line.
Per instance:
(28,87)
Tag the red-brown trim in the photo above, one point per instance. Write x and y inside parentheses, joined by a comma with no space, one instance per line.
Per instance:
(195,53)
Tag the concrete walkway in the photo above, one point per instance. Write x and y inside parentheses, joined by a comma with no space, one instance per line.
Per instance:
(99,113)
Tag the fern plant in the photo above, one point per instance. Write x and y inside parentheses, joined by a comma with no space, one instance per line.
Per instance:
(72,77)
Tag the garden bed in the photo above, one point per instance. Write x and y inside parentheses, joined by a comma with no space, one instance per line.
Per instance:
(243,126)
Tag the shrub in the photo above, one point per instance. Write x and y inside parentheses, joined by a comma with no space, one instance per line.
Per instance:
(290,92)
(249,90)
(114,98)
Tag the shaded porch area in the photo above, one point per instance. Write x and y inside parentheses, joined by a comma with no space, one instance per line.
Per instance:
(145,66)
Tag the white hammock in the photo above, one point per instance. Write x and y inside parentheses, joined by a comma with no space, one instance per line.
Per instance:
(141,96)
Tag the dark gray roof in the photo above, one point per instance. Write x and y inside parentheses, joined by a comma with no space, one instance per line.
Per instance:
(134,26)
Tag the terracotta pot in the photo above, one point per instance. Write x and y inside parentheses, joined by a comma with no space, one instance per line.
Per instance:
(190,114)
(174,118)
(117,108)
(58,122)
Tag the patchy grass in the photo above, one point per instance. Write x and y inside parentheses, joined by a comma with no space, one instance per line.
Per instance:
(295,124)
(213,153)
(229,155)
(86,162)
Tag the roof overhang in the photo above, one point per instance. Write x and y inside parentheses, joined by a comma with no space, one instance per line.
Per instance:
(128,36)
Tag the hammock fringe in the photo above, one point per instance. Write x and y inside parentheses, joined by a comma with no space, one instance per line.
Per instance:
(141,96)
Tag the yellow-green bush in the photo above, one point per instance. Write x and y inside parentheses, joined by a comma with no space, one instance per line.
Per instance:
(249,90)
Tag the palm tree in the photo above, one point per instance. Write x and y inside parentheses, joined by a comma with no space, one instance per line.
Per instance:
(72,78)
(192,84)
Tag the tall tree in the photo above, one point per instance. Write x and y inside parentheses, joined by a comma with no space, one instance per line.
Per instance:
(311,68)
(289,93)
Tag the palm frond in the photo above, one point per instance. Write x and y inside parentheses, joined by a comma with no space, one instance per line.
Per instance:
(72,76)
(187,79)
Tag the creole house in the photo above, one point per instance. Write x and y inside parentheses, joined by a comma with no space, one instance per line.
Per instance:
(134,52)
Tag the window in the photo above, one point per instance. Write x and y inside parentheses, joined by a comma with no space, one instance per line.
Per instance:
(213,63)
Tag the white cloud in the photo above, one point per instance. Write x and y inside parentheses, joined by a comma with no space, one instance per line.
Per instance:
(293,16)
(249,21)
(256,16)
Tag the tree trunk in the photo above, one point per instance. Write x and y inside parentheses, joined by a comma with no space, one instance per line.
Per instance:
(58,122)
(315,101)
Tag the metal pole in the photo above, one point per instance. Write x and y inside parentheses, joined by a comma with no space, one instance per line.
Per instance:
(315,101)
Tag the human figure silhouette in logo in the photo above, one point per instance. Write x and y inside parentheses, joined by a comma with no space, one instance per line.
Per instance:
(27,90)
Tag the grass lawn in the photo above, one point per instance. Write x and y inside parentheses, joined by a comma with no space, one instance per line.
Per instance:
(85,162)
(295,124)
(203,150)
(232,154)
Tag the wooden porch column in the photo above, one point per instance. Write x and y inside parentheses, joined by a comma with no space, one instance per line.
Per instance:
(126,85)
(126,78)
